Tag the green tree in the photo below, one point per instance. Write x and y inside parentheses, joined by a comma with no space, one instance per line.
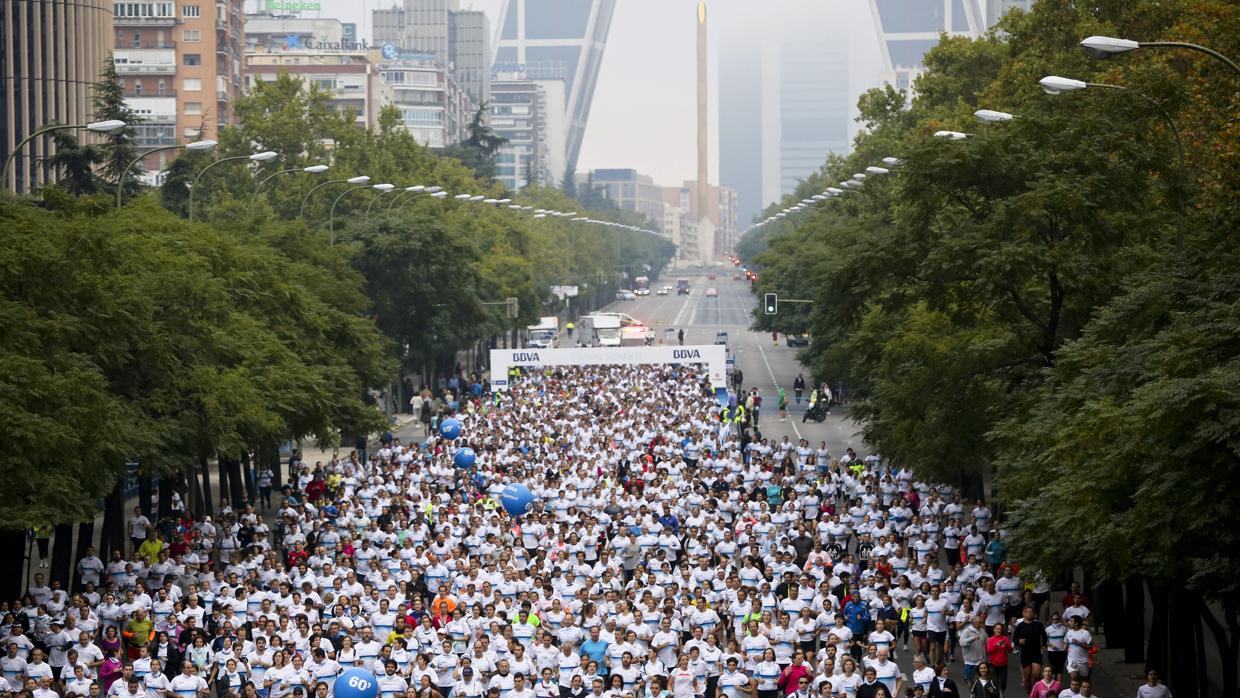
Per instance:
(118,149)
(74,164)
(477,152)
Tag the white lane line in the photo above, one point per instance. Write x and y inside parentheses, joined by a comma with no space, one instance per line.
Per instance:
(691,301)
(762,351)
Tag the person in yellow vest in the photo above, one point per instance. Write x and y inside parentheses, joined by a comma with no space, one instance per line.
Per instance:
(738,417)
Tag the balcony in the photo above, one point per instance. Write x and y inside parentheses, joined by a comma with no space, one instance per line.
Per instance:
(152,44)
(221,95)
(145,61)
(143,21)
(132,94)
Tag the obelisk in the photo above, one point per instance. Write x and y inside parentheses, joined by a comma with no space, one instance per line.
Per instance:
(705,229)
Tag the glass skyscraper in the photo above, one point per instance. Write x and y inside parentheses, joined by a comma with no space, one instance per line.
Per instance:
(557,39)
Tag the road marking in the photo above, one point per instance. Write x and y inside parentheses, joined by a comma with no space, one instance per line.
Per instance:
(762,351)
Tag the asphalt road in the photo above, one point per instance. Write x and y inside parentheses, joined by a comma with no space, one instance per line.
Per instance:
(765,365)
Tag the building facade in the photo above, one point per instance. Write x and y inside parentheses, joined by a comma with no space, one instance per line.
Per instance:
(632,191)
(908,29)
(813,98)
(518,114)
(556,40)
(51,55)
(785,100)
(416,25)
(181,66)
(351,79)
(433,106)
(469,48)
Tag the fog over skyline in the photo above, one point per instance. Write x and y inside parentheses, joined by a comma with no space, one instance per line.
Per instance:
(644,110)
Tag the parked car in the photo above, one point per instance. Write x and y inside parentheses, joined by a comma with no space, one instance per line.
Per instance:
(625,295)
(664,290)
(712,293)
(796,340)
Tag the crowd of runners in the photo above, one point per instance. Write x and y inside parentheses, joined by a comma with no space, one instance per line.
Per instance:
(670,553)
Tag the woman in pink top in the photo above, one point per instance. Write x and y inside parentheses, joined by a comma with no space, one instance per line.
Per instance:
(1048,687)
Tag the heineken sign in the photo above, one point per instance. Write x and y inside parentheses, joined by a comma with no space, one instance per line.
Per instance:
(292,5)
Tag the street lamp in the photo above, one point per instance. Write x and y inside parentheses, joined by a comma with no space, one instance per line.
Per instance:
(1057,85)
(1107,46)
(360,179)
(109,126)
(205,144)
(313,169)
(990,116)
(892,161)
(255,157)
(382,189)
(952,135)
(361,184)
(877,170)
(415,190)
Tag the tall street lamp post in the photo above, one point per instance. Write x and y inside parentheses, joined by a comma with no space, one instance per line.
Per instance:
(205,144)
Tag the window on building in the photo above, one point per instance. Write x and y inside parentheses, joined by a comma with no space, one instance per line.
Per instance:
(192,84)
(137,87)
(328,84)
(193,108)
(191,11)
(421,117)
(193,59)
(163,87)
(191,35)
(137,40)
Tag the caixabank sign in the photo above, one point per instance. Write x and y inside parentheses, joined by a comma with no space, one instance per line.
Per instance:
(714,357)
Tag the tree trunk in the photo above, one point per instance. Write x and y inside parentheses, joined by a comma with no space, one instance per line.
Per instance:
(144,495)
(1183,677)
(196,505)
(247,472)
(1134,619)
(235,489)
(113,534)
(1228,643)
(13,549)
(1111,613)
(1157,657)
(205,466)
(62,554)
(222,463)
(166,488)
(85,540)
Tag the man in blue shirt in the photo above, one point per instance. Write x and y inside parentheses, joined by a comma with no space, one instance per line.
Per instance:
(596,649)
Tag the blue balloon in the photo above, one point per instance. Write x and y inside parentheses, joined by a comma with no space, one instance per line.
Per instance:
(516,499)
(450,429)
(356,683)
(465,458)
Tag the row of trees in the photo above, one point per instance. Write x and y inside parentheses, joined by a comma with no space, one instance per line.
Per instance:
(131,335)
(1046,309)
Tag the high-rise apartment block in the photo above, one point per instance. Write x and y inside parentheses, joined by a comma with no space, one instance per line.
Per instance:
(785,101)
(416,25)
(51,54)
(469,48)
(458,39)
(518,114)
(181,66)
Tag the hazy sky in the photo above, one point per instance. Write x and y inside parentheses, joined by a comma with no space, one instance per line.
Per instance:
(644,110)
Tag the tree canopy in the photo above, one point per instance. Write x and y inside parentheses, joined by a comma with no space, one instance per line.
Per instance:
(1044,304)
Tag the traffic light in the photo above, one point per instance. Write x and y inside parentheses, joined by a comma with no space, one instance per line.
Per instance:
(772,303)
